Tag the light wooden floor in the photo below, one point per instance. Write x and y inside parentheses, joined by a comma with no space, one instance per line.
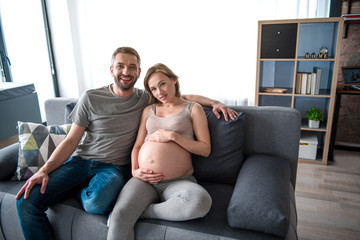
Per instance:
(328,198)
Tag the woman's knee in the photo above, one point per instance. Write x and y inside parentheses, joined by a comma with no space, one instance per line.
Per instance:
(198,203)
(204,203)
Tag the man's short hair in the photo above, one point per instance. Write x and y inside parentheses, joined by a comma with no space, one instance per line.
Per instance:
(128,50)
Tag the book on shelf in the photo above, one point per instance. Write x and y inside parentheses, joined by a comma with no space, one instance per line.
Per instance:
(298,83)
(313,83)
(303,83)
(317,71)
(308,83)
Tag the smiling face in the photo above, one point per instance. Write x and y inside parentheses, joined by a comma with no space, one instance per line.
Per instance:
(162,87)
(162,73)
(125,71)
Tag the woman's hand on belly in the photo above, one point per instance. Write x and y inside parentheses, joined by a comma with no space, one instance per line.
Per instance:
(160,135)
(147,175)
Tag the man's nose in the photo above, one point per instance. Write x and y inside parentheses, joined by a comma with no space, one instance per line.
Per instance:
(125,71)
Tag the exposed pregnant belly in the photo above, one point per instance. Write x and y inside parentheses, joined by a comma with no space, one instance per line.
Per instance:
(167,158)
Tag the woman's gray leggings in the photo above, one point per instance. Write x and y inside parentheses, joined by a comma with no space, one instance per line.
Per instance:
(180,199)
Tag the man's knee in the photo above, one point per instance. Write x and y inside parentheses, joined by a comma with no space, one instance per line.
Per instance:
(96,203)
(100,198)
(34,205)
(21,204)
(35,199)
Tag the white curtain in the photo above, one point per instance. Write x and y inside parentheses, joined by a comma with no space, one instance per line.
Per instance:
(290,9)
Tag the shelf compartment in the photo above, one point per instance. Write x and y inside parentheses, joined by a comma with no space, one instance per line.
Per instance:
(320,147)
(304,103)
(327,69)
(318,160)
(313,36)
(275,100)
(278,74)
(278,40)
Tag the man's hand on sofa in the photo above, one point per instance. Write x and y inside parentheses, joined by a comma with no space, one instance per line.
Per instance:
(217,106)
(38,178)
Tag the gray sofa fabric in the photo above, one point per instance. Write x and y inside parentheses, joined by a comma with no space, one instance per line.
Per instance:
(267,207)
(259,205)
(226,157)
(56,110)
(7,163)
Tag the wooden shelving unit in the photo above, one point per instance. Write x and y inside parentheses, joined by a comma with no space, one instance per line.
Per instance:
(282,46)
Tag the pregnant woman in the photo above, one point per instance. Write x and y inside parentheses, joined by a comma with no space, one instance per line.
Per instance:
(163,185)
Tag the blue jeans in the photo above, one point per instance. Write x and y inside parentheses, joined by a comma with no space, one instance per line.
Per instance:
(97,183)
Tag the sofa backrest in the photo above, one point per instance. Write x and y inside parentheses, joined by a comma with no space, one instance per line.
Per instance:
(55,110)
(269,130)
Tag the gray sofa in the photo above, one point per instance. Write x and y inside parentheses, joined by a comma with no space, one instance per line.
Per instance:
(250,175)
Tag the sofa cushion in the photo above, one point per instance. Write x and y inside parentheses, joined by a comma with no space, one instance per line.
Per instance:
(226,157)
(37,142)
(261,197)
(8,161)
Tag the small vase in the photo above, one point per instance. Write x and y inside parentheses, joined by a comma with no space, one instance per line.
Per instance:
(314,124)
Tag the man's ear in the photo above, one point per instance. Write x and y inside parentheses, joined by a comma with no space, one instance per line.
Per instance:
(112,70)
(139,71)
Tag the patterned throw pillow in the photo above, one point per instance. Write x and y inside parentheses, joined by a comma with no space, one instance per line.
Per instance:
(37,142)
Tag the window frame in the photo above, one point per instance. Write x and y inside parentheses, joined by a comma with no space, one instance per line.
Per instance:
(5,61)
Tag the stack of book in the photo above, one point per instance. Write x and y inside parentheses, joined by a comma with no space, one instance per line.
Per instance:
(308,83)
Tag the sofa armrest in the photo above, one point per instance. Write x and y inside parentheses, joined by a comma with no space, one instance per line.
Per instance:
(8,161)
(261,197)
(273,130)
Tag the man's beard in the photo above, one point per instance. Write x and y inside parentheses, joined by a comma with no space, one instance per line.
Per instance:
(124,87)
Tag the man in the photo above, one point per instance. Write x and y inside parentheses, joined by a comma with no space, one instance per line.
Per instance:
(97,165)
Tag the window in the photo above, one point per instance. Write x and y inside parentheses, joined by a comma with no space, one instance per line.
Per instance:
(26,46)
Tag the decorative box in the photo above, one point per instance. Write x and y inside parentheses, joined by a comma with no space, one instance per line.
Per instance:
(308,146)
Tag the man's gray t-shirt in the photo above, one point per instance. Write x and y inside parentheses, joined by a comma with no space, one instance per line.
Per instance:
(111,124)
